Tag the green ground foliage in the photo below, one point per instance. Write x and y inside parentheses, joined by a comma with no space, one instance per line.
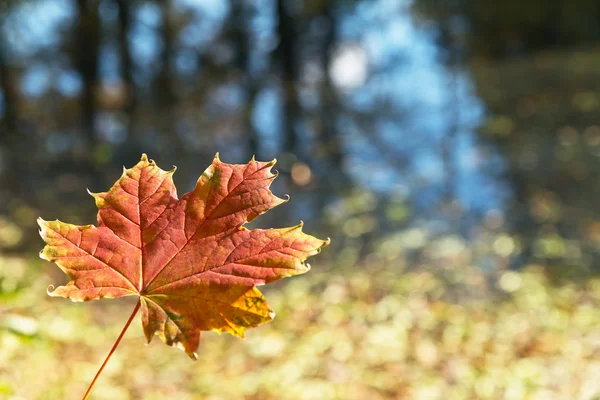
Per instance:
(369,330)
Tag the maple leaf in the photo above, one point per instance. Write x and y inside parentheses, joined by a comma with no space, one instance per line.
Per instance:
(191,261)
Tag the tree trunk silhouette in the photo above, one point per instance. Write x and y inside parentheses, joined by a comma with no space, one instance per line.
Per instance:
(241,36)
(330,105)
(88,47)
(124,7)
(287,55)
(166,96)
(10,93)
(9,135)
(132,146)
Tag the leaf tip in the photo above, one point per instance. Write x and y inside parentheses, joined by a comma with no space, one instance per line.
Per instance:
(217,159)
(192,354)
(98,197)
(50,290)
(144,157)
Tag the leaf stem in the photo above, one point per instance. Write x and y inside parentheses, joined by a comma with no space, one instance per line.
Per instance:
(135,310)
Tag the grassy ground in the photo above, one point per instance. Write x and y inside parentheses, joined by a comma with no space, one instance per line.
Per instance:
(366,333)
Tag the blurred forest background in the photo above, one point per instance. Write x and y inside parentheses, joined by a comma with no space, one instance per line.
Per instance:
(449,149)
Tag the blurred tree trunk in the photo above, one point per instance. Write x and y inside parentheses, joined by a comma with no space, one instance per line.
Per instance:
(330,105)
(10,94)
(287,55)
(242,38)
(9,135)
(166,95)
(167,98)
(87,53)
(132,146)
(253,139)
(124,7)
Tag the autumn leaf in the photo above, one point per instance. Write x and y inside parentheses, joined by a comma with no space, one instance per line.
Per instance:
(191,262)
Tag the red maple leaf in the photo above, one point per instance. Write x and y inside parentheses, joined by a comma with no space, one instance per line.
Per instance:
(190,261)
